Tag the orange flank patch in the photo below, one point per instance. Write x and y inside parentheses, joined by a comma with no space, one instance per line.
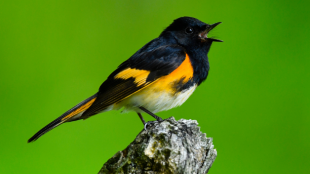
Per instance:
(140,76)
(80,109)
(183,72)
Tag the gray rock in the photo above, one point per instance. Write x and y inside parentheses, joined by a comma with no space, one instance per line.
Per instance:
(169,147)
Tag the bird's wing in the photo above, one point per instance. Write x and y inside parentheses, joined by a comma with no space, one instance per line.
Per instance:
(135,74)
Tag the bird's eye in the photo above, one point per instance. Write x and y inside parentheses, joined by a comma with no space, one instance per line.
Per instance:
(189,30)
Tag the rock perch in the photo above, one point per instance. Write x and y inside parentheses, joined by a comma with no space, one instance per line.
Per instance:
(169,147)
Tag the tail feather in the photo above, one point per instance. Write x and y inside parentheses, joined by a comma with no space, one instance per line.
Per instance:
(71,115)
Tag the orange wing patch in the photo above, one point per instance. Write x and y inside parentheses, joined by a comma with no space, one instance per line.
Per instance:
(140,76)
(127,88)
(80,109)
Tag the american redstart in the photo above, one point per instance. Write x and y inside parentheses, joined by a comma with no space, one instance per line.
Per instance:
(160,76)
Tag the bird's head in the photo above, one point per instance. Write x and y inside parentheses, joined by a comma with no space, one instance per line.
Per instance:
(190,32)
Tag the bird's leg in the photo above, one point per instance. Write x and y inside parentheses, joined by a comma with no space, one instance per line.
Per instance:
(142,119)
(151,114)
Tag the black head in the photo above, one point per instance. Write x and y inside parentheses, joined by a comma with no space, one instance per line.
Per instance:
(190,32)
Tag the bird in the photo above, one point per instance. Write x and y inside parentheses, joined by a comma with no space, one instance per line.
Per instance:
(161,75)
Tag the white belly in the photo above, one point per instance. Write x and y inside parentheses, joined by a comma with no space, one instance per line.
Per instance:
(156,101)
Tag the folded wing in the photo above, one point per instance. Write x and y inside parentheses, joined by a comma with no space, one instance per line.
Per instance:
(135,74)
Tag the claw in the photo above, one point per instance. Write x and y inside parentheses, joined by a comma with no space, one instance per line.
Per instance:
(151,122)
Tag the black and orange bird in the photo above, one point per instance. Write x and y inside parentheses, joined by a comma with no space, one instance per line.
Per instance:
(160,76)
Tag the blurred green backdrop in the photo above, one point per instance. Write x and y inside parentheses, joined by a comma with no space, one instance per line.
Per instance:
(255,102)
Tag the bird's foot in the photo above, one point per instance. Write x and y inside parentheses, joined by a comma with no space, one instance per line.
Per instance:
(151,123)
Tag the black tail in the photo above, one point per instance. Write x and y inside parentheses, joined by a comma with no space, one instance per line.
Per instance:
(71,115)
(47,128)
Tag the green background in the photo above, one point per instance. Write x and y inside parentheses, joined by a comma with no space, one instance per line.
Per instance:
(255,102)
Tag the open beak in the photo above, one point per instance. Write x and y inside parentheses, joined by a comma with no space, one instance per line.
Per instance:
(203,35)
